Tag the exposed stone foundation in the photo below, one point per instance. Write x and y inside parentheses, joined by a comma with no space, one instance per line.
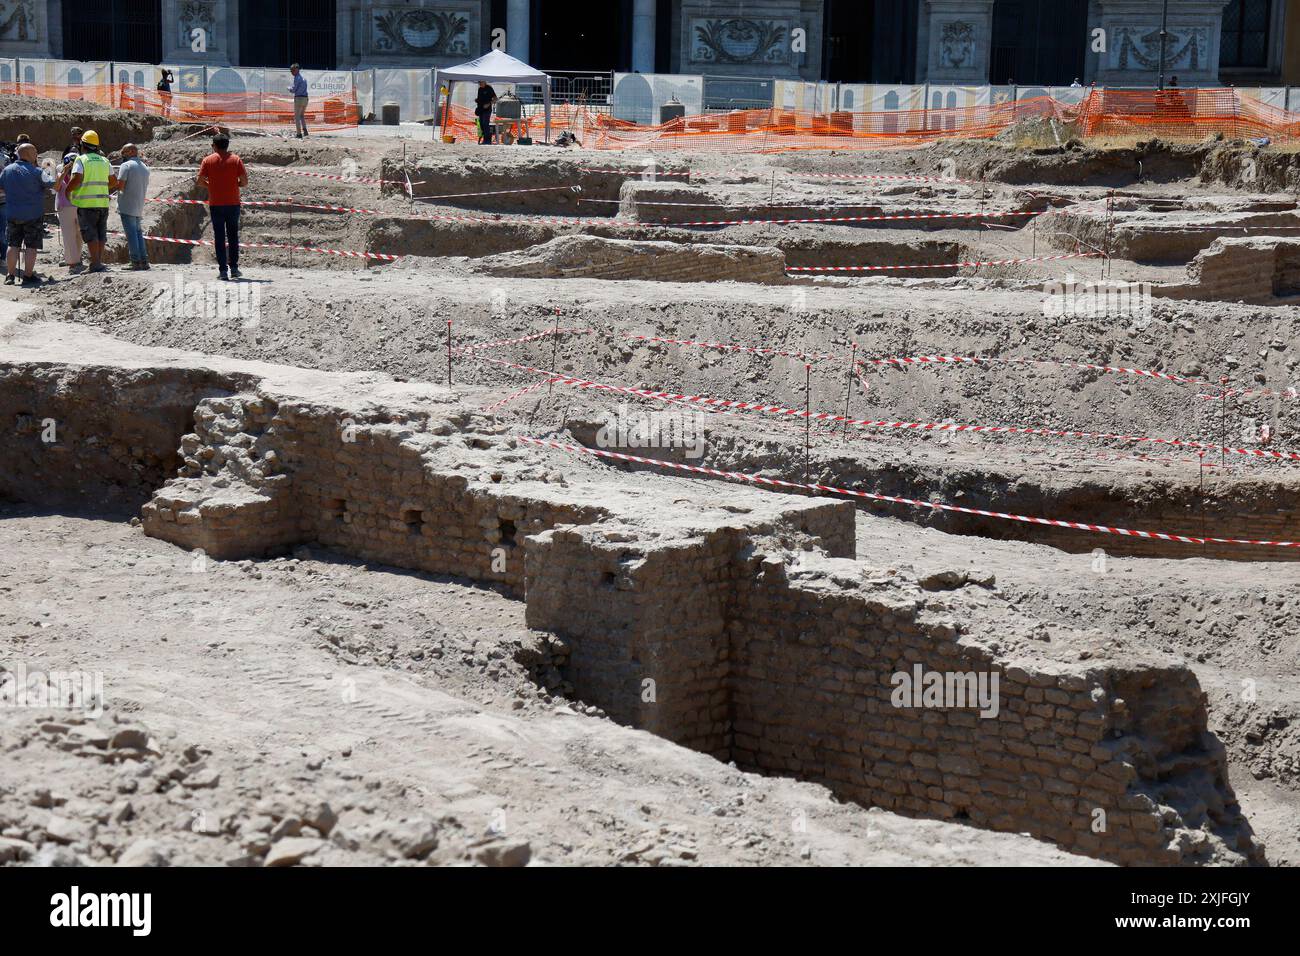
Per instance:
(728,619)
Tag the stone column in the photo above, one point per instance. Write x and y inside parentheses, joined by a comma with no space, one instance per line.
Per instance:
(960,36)
(518,29)
(1132,54)
(643,36)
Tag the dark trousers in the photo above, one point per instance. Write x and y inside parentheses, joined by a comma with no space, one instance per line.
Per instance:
(485,124)
(225,233)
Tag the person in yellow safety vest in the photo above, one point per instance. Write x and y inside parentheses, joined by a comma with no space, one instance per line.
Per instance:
(88,188)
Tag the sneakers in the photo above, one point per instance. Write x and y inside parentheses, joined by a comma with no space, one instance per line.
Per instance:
(138,266)
(98,268)
(9,280)
(223,276)
(235,273)
(76,269)
(31,282)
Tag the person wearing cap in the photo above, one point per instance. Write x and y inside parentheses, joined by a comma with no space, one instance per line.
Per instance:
(131,183)
(24,184)
(74,147)
(222,173)
(89,187)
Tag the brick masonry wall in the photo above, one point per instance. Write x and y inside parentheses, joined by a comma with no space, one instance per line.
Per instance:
(1254,270)
(794,678)
(781,664)
(115,431)
(811,684)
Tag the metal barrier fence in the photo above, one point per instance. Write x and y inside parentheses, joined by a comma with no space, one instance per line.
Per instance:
(632,97)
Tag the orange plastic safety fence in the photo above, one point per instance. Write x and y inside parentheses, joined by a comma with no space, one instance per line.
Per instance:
(227,109)
(1179,114)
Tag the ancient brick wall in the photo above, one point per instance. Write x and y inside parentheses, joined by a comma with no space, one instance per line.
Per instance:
(1069,749)
(96,437)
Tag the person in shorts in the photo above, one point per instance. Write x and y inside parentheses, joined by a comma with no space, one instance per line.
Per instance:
(24,184)
(88,188)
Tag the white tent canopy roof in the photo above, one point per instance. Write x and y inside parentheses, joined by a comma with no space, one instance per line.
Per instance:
(494,66)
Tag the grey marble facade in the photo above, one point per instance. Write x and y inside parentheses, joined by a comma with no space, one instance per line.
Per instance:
(781,38)
(392,33)
(1132,33)
(954,39)
(758,38)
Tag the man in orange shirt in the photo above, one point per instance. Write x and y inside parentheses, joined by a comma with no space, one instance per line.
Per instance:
(224,175)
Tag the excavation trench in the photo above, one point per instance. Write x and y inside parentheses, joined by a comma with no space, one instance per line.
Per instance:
(1254,508)
(728,620)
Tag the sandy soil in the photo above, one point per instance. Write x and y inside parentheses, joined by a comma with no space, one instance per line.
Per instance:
(261,690)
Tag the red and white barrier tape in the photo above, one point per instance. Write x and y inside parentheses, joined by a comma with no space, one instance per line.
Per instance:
(893,499)
(1252,393)
(637,173)
(515,395)
(301,172)
(894,178)
(338,179)
(907,426)
(382,257)
(502,192)
(943,265)
(976,360)
(479,346)
(898,217)
(729,347)
(274,203)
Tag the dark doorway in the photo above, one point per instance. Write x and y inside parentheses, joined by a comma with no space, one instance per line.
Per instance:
(848,30)
(870,41)
(569,36)
(126,30)
(276,33)
(1039,42)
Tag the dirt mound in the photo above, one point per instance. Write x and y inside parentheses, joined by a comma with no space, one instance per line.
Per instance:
(596,258)
(49,122)
(1072,164)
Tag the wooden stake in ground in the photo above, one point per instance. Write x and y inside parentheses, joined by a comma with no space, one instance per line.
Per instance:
(1223,423)
(555,350)
(449,351)
(1204,544)
(291,237)
(848,388)
(807,419)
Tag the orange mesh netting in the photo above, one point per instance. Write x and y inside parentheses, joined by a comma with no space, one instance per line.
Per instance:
(1176,114)
(227,109)
(1169,114)
(1183,114)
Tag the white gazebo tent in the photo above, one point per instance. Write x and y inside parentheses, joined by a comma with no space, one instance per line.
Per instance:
(496,67)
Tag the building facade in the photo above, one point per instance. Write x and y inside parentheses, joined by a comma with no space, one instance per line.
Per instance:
(1112,42)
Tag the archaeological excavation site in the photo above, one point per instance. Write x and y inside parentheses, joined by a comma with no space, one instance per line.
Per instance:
(675,504)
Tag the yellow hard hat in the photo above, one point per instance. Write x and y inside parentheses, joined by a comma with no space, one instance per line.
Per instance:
(90,137)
